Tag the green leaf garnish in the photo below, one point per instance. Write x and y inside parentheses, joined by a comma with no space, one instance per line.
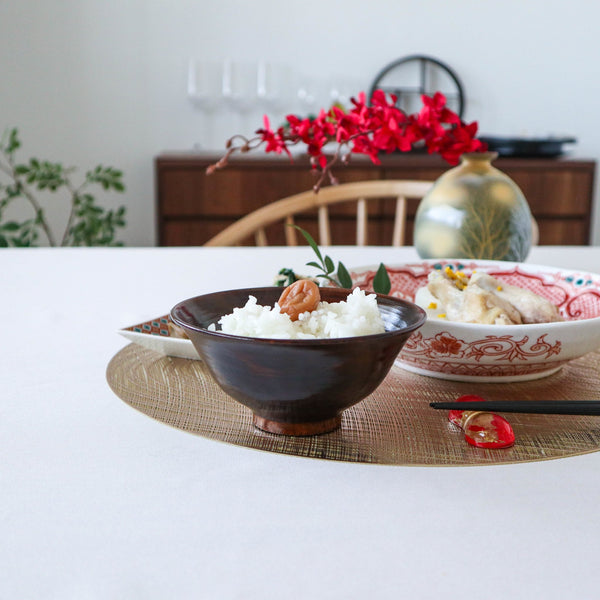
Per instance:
(326,264)
(329,265)
(344,277)
(381,281)
(309,238)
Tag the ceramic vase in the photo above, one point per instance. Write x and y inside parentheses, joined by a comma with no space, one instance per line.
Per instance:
(474,210)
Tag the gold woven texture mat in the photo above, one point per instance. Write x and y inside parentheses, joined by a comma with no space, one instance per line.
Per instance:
(393,426)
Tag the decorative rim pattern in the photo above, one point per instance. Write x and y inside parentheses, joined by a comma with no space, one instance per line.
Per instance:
(576,293)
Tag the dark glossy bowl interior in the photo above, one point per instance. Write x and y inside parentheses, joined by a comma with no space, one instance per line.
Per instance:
(296,387)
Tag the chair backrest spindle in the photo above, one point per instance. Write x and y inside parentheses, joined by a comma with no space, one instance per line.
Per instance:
(261,238)
(399,222)
(362,218)
(324,226)
(290,231)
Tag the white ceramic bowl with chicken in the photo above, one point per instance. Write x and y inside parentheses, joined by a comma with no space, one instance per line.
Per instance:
(479,352)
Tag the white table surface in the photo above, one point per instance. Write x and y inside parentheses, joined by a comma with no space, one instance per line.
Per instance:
(100,501)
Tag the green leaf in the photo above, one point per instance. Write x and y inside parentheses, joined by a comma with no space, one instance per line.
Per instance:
(329,266)
(313,264)
(10,226)
(107,177)
(94,226)
(344,277)
(285,277)
(381,281)
(311,241)
(3,242)
(13,142)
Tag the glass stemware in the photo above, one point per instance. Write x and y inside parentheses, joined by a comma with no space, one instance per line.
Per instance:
(205,83)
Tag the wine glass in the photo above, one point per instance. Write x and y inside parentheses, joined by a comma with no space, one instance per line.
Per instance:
(205,83)
(240,87)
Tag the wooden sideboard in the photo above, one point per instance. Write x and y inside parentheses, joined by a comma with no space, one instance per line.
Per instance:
(193,206)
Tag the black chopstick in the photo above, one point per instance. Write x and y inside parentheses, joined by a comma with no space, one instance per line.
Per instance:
(547,407)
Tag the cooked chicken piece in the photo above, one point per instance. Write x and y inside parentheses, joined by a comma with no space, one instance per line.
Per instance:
(470,305)
(485,299)
(481,306)
(533,308)
(447,293)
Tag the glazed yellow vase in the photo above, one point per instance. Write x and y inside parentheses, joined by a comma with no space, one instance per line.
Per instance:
(474,211)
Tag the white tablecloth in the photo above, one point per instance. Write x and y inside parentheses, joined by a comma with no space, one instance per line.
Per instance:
(100,501)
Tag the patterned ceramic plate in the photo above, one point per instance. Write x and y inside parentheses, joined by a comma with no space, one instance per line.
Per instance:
(159,335)
(492,353)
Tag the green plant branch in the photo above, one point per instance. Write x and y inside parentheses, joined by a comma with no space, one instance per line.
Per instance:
(74,195)
(39,212)
(342,278)
(87,225)
(26,192)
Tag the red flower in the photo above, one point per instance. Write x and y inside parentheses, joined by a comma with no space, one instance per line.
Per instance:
(370,130)
(274,142)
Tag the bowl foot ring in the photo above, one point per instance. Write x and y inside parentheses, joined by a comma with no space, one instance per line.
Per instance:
(280,428)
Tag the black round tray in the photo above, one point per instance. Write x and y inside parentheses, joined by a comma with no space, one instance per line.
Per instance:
(526,147)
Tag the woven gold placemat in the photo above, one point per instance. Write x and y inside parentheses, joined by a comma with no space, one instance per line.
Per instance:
(393,426)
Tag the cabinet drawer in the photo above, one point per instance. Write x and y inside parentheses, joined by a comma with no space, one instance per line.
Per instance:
(236,192)
(564,232)
(559,193)
(189,192)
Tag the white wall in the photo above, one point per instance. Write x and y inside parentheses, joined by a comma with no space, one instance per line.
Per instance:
(104,81)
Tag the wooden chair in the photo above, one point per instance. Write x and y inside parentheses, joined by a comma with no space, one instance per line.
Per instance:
(360,193)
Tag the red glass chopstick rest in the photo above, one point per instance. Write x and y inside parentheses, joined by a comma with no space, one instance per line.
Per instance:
(482,429)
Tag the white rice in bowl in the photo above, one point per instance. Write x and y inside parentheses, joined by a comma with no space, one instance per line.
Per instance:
(357,315)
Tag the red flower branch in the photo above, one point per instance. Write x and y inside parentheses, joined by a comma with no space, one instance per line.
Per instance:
(365,129)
